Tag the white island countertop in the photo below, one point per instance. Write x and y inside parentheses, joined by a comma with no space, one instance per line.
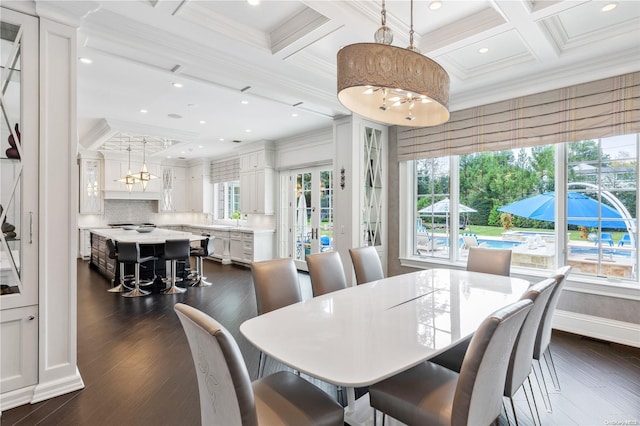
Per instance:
(157,236)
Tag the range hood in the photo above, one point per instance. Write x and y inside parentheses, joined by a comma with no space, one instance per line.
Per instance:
(133,195)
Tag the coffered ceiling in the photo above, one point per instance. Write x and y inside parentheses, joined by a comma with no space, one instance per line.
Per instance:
(279,58)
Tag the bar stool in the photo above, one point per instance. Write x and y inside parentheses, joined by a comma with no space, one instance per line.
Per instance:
(174,251)
(129,253)
(206,247)
(118,272)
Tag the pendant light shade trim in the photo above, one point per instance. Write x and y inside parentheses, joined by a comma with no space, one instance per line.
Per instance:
(392,85)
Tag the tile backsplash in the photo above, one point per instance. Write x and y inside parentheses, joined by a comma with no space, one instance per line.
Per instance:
(130,211)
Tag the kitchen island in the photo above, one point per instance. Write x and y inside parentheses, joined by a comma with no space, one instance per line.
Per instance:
(151,244)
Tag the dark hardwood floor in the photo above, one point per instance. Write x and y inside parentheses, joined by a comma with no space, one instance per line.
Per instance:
(137,368)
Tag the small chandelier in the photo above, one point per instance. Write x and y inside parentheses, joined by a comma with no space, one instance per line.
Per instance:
(390,84)
(129,180)
(144,176)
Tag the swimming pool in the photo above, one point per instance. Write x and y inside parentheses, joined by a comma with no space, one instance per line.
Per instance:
(594,251)
(499,244)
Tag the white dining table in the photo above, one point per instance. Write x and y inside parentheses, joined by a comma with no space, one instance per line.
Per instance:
(360,335)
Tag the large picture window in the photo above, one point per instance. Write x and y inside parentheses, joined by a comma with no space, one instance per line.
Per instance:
(551,205)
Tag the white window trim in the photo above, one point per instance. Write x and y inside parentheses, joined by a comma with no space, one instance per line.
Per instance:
(577,282)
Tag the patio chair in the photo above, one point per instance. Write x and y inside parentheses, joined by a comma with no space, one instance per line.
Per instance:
(470,240)
(427,244)
(605,237)
(626,239)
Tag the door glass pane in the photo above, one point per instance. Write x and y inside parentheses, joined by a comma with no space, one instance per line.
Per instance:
(10,160)
(302,224)
(326,210)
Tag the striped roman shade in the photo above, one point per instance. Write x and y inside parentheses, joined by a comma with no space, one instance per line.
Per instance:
(225,170)
(592,110)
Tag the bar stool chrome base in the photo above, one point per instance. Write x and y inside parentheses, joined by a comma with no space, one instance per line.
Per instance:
(136,292)
(199,280)
(174,290)
(118,289)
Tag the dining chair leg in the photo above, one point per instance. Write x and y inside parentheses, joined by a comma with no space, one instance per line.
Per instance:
(552,369)
(506,413)
(339,395)
(513,408)
(261,361)
(547,401)
(535,404)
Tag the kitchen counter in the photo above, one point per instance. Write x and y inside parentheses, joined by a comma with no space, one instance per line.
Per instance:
(157,236)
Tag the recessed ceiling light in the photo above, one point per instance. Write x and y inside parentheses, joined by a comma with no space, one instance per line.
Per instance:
(168,156)
(221,139)
(294,115)
(609,7)
(192,105)
(183,152)
(86,60)
(244,102)
(253,2)
(203,122)
(435,5)
(200,146)
(483,50)
(144,111)
(177,84)
(248,130)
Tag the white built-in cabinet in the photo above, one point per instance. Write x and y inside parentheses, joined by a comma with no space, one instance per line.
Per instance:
(360,171)
(199,188)
(90,185)
(248,246)
(174,189)
(257,180)
(38,192)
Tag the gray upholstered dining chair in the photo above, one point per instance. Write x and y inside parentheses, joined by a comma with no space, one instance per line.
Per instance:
(429,394)
(366,264)
(326,272)
(521,359)
(276,285)
(489,261)
(227,395)
(542,347)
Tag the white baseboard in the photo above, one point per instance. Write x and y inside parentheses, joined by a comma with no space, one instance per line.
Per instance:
(16,398)
(47,390)
(625,333)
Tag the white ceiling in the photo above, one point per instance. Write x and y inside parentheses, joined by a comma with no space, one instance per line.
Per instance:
(285,51)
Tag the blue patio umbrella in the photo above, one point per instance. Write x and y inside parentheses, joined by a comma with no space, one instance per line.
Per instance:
(581,209)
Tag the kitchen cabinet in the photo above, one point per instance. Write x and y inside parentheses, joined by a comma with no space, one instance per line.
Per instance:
(199,188)
(220,245)
(257,182)
(90,186)
(174,189)
(250,246)
(84,243)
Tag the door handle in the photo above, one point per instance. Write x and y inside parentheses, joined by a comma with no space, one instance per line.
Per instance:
(30,227)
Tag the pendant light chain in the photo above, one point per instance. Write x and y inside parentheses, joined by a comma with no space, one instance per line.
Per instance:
(411,30)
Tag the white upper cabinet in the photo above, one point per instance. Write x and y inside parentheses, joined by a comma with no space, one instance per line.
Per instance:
(257,181)
(90,186)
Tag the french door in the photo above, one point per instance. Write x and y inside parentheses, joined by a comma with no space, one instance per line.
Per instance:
(309,213)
